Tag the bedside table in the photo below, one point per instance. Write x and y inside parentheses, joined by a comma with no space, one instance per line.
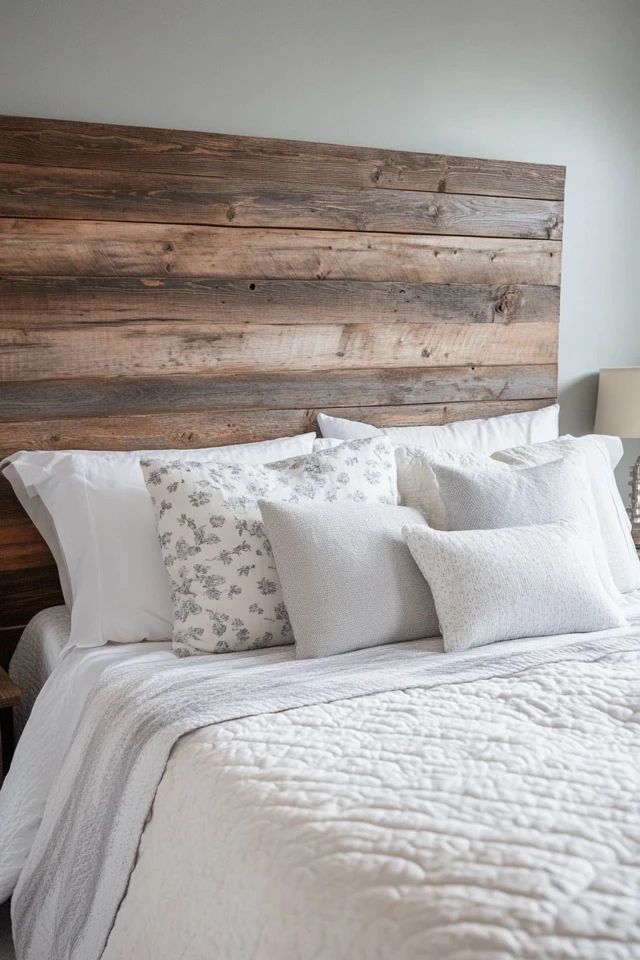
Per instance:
(9,697)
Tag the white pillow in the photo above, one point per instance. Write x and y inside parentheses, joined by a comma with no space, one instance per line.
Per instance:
(42,521)
(418,488)
(104,536)
(417,483)
(482,436)
(602,454)
(348,578)
(224,586)
(492,585)
(559,490)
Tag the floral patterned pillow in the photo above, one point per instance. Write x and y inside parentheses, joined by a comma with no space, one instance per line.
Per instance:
(224,586)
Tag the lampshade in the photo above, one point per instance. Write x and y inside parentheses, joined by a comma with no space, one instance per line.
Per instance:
(618,410)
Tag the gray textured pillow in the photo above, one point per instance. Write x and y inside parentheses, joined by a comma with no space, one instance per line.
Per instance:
(491,585)
(347,576)
(483,499)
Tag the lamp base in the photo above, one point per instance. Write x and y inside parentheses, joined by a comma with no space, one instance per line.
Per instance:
(634,509)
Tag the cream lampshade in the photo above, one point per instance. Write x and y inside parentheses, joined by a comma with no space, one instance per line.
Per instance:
(618,410)
(618,413)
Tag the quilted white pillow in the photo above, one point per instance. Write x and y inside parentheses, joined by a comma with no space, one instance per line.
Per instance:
(93,510)
(224,586)
(492,585)
(482,435)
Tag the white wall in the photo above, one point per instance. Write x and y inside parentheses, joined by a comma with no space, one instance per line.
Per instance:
(552,81)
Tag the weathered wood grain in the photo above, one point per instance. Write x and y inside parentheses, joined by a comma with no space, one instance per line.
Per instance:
(26,399)
(202,429)
(57,192)
(148,348)
(111,147)
(104,248)
(67,300)
(165,288)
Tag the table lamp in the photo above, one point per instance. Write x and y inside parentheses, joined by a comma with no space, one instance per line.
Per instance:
(618,413)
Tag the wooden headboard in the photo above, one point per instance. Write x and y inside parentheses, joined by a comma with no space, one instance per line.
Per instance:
(164,288)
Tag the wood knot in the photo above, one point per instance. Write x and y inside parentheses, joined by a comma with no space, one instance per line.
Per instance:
(168,247)
(426,352)
(375,176)
(231,213)
(433,209)
(507,302)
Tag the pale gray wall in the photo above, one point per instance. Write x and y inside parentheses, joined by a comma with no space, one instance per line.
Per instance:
(554,81)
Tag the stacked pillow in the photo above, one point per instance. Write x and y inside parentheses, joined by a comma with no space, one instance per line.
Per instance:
(225,587)
(337,544)
(93,511)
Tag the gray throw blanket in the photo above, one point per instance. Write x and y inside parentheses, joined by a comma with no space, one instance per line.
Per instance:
(78,869)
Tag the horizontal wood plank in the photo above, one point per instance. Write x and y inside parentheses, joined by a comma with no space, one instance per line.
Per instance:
(149,349)
(165,288)
(56,192)
(68,300)
(202,429)
(26,400)
(97,248)
(112,147)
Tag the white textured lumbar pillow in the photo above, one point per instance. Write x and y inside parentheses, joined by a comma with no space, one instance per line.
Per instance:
(492,585)
(225,589)
(347,576)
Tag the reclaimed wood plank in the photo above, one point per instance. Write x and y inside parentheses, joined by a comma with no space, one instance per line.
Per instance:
(67,300)
(58,192)
(25,400)
(150,349)
(116,147)
(104,248)
(202,429)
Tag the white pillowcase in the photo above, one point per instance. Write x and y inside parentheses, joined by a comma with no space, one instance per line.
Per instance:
(348,578)
(93,510)
(418,488)
(224,586)
(417,483)
(492,585)
(559,490)
(602,454)
(482,436)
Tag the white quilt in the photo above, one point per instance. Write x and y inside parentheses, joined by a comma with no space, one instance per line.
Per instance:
(492,820)
(494,817)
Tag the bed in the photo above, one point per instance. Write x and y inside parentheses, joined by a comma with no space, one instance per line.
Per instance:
(171,289)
